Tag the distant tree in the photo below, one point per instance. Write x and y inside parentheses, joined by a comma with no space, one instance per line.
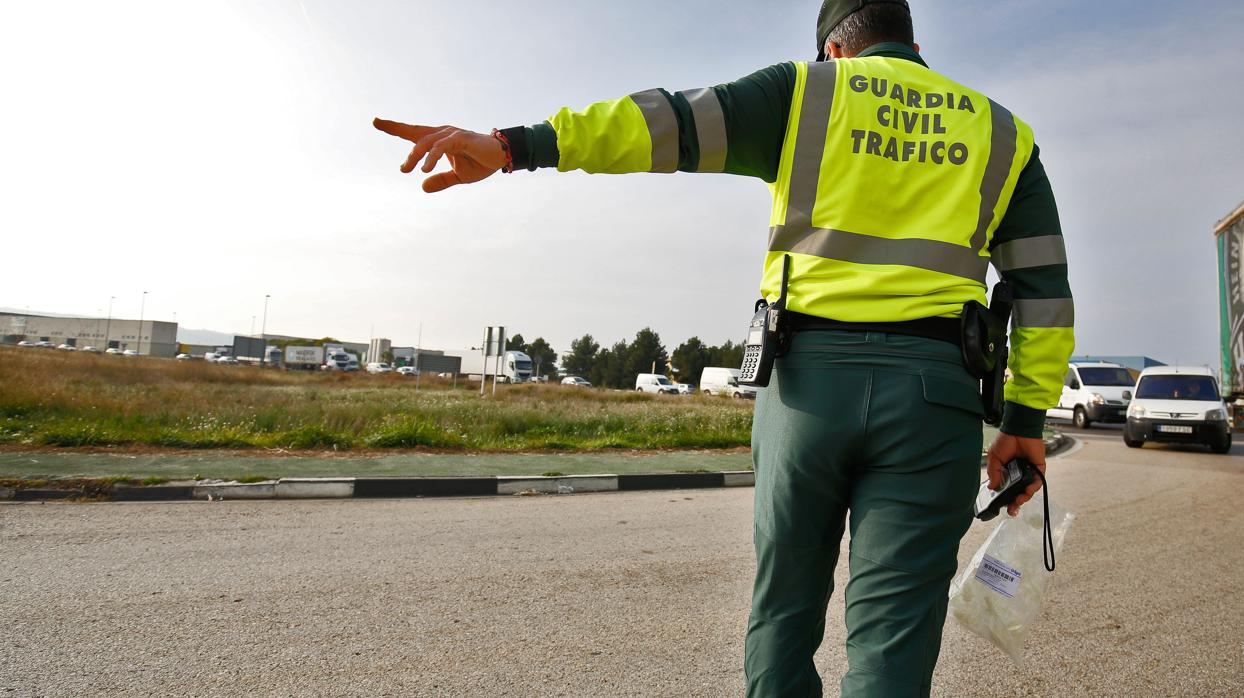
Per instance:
(729,355)
(516,343)
(543,358)
(690,358)
(609,370)
(583,355)
(645,354)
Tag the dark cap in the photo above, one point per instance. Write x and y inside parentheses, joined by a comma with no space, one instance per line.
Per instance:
(832,14)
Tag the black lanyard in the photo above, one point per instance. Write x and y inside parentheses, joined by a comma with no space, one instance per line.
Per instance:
(1047,534)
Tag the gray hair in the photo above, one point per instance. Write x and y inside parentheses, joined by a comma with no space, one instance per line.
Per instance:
(871,25)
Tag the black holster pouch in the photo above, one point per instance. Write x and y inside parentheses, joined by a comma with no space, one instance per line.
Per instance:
(984,347)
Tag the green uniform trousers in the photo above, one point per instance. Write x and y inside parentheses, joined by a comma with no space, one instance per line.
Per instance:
(881,431)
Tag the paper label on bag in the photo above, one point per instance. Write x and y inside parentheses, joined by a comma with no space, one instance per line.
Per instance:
(999,576)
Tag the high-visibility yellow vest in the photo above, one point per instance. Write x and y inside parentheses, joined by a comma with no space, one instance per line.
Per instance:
(892,181)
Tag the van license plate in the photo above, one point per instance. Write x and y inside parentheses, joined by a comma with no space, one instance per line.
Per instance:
(1173,429)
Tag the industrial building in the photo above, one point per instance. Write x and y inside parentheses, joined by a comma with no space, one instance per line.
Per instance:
(430,361)
(148,337)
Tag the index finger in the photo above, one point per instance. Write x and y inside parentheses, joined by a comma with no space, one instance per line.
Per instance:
(410,132)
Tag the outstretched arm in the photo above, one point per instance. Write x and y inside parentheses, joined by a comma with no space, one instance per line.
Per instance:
(736,128)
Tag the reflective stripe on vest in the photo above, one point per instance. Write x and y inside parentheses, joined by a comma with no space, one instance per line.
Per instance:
(929,243)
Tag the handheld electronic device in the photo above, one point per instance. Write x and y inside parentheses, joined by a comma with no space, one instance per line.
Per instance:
(1017,475)
(765,335)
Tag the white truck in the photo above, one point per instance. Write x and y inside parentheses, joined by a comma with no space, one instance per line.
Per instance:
(336,358)
(303,358)
(1094,392)
(515,367)
(213,357)
(718,380)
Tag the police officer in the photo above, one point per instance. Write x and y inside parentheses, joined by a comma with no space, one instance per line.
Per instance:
(894,188)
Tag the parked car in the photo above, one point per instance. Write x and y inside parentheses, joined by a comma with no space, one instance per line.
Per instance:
(25,343)
(655,383)
(408,370)
(232,361)
(113,350)
(45,345)
(717,380)
(378,367)
(1179,405)
(184,357)
(130,352)
(91,350)
(1094,392)
(685,388)
(66,347)
(577,381)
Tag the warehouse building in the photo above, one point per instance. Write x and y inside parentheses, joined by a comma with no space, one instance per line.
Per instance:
(430,361)
(150,337)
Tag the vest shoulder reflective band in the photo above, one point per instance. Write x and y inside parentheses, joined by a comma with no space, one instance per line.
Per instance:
(892,181)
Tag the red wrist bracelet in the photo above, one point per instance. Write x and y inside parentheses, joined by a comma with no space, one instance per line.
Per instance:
(508,167)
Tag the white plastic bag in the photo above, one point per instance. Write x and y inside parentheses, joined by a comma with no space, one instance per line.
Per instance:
(999,593)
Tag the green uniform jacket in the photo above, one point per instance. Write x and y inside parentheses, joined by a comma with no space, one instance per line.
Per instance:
(755,113)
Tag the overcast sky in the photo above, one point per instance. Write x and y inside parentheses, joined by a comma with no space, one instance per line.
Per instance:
(210,153)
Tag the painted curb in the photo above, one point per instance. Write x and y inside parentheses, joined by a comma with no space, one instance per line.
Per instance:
(406,487)
(36,494)
(561,484)
(370,487)
(738,478)
(314,488)
(235,490)
(155,493)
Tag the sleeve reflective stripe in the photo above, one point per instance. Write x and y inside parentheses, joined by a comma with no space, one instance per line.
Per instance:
(1002,147)
(662,129)
(1044,312)
(710,128)
(1030,252)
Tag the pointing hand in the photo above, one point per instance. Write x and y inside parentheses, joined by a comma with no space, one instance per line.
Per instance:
(472,156)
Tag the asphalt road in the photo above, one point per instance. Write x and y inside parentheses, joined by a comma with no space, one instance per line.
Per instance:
(583,595)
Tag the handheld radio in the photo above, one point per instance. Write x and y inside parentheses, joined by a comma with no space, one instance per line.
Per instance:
(765,336)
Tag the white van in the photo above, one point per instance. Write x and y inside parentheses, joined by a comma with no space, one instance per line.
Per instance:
(655,383)
(1180,405)
(1094,392)
(378,367)
(716,380)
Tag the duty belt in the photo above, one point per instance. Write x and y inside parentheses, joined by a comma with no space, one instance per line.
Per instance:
(940,328)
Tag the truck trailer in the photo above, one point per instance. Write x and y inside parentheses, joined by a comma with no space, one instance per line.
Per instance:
(1229,235)
(515,367)
(303,358)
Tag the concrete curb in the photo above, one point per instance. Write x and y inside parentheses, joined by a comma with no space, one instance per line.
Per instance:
(402,487)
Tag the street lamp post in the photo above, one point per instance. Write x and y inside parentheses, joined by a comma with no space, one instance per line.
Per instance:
(263,332)
(142,308)
(108,327)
